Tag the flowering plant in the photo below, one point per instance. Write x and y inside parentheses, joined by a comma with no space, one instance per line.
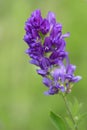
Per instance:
(47,50)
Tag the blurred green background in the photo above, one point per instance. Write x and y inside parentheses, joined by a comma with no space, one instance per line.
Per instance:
(23,105)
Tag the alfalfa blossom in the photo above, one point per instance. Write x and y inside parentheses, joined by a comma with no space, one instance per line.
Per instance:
(47,50)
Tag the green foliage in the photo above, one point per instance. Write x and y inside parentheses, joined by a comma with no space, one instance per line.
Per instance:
(75,107)
(82,116)
(77,114)
(57,121)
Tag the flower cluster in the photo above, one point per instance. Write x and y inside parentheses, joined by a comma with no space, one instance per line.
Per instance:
(47,50)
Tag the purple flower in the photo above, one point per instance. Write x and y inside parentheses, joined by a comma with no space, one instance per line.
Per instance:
(47,50)
(36,19)
(61,80)
(51,18)
(45,26)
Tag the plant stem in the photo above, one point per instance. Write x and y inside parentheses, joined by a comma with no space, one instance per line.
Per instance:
(69,111)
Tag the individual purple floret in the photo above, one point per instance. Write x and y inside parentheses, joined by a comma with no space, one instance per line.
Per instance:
(47,50)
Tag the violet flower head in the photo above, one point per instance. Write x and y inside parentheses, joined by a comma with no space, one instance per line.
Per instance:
(47,50)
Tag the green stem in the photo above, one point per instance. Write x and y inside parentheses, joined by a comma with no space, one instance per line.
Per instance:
(69,111)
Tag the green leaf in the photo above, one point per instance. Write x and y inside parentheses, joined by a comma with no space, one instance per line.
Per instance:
(82,116)
(57,121)
(75,107)
(69,122)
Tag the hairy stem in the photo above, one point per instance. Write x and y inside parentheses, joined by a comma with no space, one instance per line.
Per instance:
(69,111)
